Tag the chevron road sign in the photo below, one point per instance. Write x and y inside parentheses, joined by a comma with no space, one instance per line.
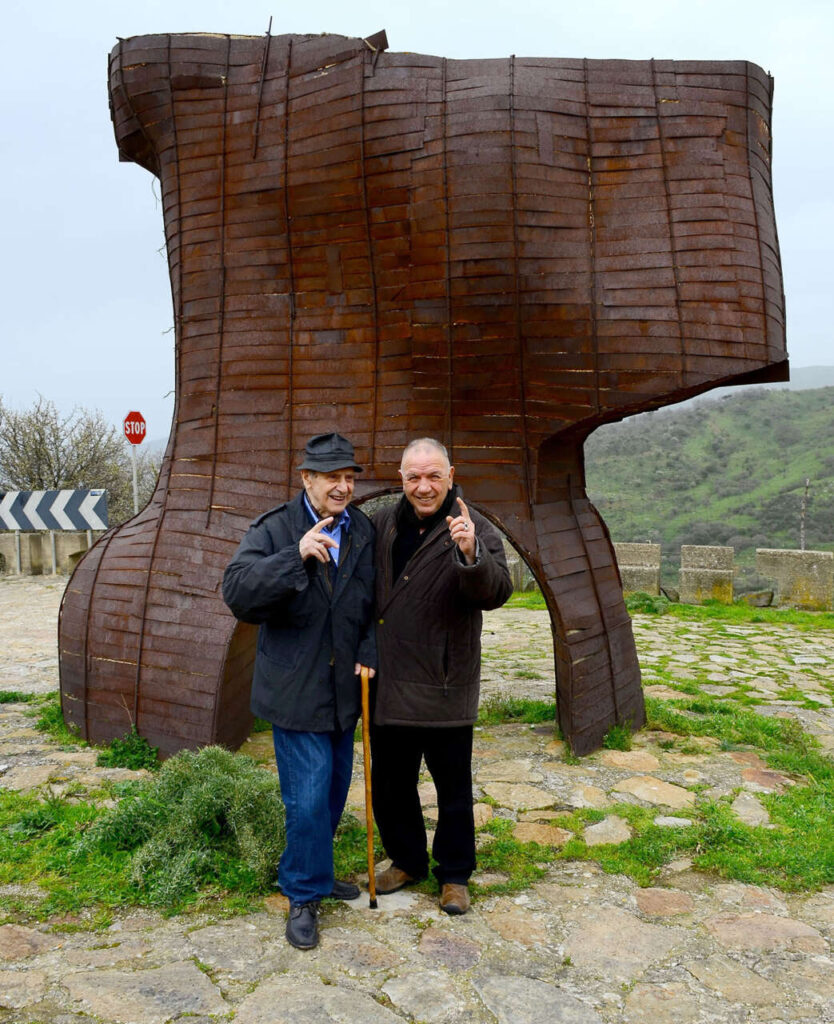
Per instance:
(53,510)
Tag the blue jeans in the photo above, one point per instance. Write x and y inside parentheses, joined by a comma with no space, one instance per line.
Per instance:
(314,769)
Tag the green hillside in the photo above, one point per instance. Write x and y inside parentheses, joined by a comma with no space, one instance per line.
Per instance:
(730,471)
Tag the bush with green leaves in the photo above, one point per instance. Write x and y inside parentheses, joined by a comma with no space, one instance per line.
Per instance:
(207,817)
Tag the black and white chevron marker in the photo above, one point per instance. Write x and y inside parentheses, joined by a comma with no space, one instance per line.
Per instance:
(53,510)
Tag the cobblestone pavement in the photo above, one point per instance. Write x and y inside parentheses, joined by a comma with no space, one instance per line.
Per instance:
(578,947)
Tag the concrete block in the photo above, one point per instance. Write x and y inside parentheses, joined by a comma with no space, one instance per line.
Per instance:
(520,573)
(700,585)
(802,579)
(706,556)
(639,566)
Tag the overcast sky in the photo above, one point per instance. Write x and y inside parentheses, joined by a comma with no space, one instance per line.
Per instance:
(86,304)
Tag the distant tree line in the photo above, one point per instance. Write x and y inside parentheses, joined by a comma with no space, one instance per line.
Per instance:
(42,449)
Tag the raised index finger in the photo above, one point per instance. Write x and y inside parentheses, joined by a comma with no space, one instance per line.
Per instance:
(320,525)
(464,511)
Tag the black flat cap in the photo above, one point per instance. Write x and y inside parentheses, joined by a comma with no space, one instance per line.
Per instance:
(326,452)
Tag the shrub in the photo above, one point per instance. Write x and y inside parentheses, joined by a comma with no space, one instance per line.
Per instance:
(207,817)
(646,604)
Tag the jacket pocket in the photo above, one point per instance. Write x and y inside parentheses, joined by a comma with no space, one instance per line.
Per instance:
(283,648)
(421,662)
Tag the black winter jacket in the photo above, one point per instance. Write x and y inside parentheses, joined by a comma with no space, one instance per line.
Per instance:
(429,624)
(309,622)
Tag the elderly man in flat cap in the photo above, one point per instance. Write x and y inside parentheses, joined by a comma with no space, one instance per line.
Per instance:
(304,572)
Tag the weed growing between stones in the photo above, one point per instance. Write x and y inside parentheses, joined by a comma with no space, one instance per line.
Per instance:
(50,719)
(16,697)
(133,752)
(499,708)
(618,737)
(350,851)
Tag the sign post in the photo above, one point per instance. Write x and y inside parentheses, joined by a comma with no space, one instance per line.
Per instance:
(135,427)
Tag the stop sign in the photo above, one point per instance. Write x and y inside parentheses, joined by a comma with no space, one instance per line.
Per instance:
(135,427)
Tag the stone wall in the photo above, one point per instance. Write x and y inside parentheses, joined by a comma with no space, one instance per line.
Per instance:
(639,566)
(706,574)
(35,551)
(801,579)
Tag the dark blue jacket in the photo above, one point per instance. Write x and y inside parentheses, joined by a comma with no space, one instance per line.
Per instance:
(314,626)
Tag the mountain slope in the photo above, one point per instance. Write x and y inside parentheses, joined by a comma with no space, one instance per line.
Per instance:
(727,471)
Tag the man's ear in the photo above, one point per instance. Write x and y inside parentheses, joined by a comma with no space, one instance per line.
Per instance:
(451,474)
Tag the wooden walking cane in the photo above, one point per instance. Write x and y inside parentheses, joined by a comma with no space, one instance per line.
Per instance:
(369,814)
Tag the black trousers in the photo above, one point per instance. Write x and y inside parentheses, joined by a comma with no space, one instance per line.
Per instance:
(397,752)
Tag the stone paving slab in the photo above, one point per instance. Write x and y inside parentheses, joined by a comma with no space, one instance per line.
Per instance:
(577,947)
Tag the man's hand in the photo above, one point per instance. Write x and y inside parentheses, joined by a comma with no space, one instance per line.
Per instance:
(462,532)
(315,544)
(357,668)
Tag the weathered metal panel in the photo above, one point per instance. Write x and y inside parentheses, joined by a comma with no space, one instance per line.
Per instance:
(503,254)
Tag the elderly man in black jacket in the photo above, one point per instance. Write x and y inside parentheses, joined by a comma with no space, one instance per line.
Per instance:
(305,572)
(438,566)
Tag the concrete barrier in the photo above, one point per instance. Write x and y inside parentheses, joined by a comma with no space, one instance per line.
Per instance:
(802,579)
(520,574)
(639,566)
(706,574)
(32,554)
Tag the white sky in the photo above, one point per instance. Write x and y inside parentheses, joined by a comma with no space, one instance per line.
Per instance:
(86,304)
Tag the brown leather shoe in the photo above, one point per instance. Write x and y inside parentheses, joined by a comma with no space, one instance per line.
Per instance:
(454,899)
(392,880)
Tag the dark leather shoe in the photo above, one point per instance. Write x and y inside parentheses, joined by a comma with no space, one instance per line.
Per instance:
(454,899)
(392,880)
(344,890)
(303,925)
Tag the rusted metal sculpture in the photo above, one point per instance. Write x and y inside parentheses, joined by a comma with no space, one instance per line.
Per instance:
(503,254)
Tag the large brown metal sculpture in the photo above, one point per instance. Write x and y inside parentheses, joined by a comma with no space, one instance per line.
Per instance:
(503,254)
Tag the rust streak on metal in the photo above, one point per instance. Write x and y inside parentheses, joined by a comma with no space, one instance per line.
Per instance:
(592,237)
(517,294)
(291,269)
(673,240)
(221,325)
(450,358)
(256,130)
(369,240)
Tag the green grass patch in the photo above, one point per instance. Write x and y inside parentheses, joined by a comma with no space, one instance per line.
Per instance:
(39,846)
(640,603)
(16,697)
(532,599)
(499,708)
(742,613)
(523,863)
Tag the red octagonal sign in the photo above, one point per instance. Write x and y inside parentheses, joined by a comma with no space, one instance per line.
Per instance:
(135,427)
